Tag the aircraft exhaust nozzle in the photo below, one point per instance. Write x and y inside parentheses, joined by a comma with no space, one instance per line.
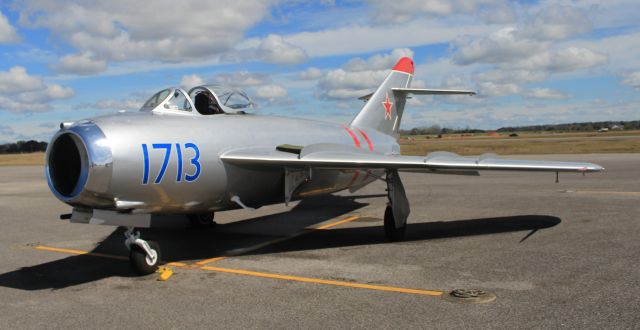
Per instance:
(78,166)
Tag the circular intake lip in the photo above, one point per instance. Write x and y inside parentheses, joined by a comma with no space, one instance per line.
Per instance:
(95,163)
(66,149)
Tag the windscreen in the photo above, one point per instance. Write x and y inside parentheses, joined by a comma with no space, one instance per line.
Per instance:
(156,99)
(232,98)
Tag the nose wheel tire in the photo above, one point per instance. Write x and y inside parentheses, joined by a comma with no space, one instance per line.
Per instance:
(142,263)
(201,220)
(393,234)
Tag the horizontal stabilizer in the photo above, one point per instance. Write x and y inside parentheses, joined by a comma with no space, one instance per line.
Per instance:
(423,91)
(430,91)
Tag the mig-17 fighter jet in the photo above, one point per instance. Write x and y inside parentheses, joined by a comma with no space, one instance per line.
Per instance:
(203,151)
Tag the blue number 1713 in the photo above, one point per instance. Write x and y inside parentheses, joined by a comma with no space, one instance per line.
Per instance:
(194,168)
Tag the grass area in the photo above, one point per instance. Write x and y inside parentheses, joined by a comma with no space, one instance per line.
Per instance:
(36,158)
(526,143)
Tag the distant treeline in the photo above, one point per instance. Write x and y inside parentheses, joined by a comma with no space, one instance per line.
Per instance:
(22,147)
(571,127)
(576,127)
(436,129)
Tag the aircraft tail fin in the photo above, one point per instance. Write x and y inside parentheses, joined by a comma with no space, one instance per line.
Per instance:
(384,108)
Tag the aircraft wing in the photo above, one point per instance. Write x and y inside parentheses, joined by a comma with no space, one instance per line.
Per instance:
(325,155)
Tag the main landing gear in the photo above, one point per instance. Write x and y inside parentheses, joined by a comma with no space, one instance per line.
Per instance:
(397,211)
(144,256)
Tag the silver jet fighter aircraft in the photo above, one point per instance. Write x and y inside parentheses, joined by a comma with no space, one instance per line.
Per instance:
(198,152)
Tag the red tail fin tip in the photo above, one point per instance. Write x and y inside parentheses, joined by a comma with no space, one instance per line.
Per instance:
(405,64)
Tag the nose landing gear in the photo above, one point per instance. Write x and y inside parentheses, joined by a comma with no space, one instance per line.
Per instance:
(144,256)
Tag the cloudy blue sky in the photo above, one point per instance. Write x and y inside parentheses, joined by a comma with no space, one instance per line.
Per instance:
(532,62)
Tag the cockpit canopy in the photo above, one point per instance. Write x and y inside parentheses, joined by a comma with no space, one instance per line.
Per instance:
(200,100)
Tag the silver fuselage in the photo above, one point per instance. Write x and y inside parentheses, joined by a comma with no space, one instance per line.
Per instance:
(121,156)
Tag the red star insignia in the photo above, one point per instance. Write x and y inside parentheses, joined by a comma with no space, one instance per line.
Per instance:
(387,108)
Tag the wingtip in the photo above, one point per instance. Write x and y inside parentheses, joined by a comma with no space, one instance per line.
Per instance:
(593,168)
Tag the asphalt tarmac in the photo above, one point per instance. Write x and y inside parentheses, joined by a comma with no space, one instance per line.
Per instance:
(556,255)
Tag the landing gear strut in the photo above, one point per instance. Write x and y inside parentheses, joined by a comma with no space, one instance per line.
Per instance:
(397,211)
(144,256)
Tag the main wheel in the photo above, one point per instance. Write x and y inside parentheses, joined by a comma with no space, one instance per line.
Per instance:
(140,262)
(393,234)
(201,220)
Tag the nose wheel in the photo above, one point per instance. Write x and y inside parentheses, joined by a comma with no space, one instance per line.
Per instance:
(144,256)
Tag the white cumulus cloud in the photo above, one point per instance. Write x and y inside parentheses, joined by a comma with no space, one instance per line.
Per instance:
(242,78)
(7,31)
(502,46)
(557,22)
(191,80)
(545,93)
(80,64)
(378,61)
(402,11)
(164,30)
(270,92)
(310,74)
(359,76)
(274,49)
(17,80)
(632,79)
(21,92)
(127,104)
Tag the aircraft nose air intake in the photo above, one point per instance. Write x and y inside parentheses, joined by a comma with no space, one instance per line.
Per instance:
(78,164)
(67,165)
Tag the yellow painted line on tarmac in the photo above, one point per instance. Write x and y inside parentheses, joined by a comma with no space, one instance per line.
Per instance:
(337,223)
(166,273)
(274,241)
(208,261)
(78,252)
(325,282)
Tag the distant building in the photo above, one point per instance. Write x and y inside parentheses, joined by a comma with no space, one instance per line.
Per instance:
(617,127)
(604,129)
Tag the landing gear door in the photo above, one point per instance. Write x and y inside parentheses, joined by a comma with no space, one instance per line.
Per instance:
(398,199)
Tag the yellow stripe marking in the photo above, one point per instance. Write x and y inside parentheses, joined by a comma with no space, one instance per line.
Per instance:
(210,260)
(274,241)
(78,252)
(260,274)
(337,223)
(325,282)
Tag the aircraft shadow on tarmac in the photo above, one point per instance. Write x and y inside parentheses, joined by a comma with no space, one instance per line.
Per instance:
(180,244)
